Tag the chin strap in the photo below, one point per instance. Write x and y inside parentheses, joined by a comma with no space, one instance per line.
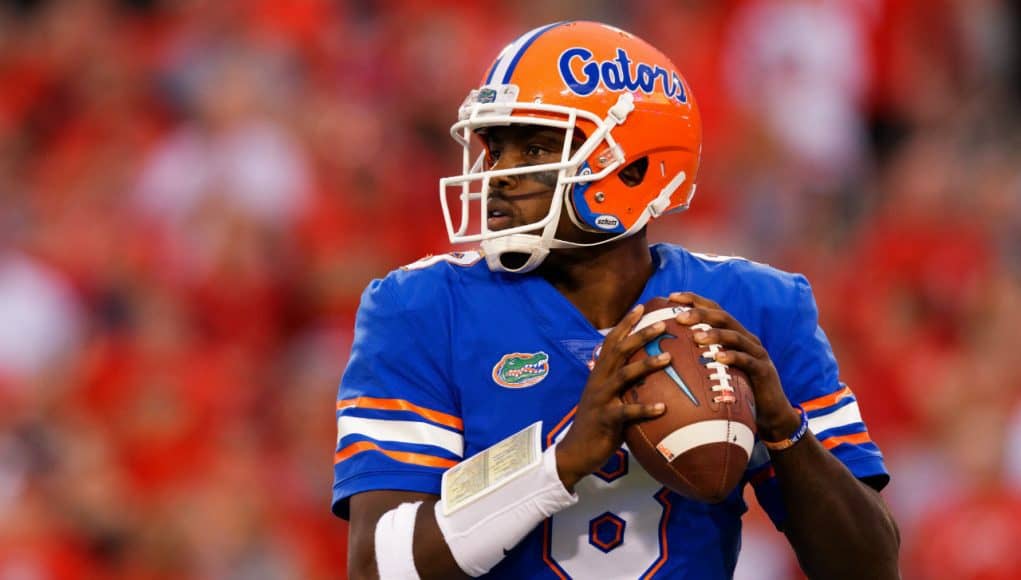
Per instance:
(527,244)
(533,246)
(537,247)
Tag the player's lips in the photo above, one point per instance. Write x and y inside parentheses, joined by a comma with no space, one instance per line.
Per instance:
(497,222)
(499,215)
(503,213)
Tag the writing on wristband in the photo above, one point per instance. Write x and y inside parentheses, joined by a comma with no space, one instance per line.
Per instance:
(491,468)
(789,442)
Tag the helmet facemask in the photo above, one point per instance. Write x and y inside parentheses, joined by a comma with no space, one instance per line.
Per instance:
(522,248)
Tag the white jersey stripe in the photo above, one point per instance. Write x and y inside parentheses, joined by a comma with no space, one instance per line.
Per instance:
(400,432)
(845,415)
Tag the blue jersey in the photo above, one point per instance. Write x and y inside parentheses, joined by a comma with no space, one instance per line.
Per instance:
(450,358)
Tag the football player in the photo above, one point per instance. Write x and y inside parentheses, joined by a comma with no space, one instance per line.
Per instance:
(477,432)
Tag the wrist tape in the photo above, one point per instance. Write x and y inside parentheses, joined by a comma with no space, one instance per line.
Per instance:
(479,531)
(394,535)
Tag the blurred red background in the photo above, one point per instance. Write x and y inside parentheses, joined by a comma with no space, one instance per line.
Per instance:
(194,193)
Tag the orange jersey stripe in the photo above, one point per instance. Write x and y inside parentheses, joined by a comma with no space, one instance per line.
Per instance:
(854,438)
(547,547)
(402,405)
(402,456)
(555,430)
(663,498)
(827,400)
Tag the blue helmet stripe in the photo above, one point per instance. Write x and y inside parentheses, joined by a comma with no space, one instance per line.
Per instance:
(492,71)
(521,51)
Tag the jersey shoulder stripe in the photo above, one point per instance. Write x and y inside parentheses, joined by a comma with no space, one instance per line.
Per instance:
(828,400)
(400,432)
(398,429)
(410,457)
(437,417)
(852,439)
(831,418)
(835,418)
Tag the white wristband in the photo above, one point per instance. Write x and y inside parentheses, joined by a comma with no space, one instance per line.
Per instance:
(479,532)
(394,535)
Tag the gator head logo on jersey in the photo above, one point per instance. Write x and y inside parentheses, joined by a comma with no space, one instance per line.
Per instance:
(518,370)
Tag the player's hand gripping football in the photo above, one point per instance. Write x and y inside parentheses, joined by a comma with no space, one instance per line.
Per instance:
(775,418)
(598,428)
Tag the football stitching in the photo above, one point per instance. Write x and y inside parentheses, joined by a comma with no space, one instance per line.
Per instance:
(726,458)
(721,371)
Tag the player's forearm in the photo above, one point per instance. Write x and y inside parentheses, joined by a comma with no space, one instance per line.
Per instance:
(460,534)
(838,526)
(433,558)
(385,541)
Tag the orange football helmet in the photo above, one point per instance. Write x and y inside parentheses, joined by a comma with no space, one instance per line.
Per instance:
(627,101)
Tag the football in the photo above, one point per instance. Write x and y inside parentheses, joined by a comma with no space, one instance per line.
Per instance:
(700,446)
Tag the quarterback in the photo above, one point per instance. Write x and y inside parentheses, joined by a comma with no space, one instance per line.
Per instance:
(480,422)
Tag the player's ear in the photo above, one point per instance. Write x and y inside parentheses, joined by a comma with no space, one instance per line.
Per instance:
(634,173)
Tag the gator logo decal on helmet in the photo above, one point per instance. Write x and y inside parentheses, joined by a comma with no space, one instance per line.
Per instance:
(486,95)
(518,370)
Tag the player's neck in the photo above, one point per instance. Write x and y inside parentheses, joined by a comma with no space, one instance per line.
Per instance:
(602,281)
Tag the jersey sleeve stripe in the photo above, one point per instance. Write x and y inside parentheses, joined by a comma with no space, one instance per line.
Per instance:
(827,400)
(853,439)
(838,405)
(398,446)
(402,456)
(849,429)
(845,415)
(412,432)
(402,405)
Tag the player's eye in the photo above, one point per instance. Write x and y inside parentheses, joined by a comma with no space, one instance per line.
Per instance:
(536,151)
(492,156)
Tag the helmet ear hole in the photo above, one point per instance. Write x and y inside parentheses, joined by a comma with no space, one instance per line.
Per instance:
(634,173)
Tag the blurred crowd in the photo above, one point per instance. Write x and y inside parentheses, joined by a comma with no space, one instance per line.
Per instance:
(194,193)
